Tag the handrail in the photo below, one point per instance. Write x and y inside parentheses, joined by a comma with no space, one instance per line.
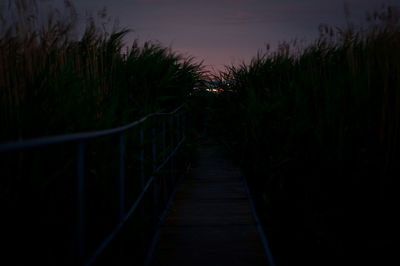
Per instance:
(80,138)
(264,241)
(130,212)
(45,141)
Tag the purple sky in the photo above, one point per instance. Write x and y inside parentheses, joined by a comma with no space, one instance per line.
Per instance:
(222,32)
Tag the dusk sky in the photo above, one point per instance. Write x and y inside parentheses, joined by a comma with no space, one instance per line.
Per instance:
(222,32)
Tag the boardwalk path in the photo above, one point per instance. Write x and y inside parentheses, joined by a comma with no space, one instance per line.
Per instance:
(210,222)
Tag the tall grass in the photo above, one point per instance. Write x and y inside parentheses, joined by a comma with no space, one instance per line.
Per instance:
(318,132)
(56,80)
(53,82)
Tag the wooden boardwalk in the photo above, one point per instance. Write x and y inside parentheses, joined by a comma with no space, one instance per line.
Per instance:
(210,222)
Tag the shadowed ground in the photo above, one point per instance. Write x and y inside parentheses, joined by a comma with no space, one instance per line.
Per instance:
(210,221)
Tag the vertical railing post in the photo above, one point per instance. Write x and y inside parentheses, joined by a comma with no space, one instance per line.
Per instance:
(80,200)
(121,187)
(172,148)
(141,140)
(178,128)
(155,181)
(183,124)
(121,177)
(164,133)
(164,151)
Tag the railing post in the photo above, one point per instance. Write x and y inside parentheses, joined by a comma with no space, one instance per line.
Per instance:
(80,200)
(121,177)
(183,124)
(141,139)
(172,148)
(121,187)
(155,193)
(164,181)
(164,133)
(178,128)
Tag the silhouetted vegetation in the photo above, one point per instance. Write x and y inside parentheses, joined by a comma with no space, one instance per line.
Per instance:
(57,80)
(53,82)
(317,131)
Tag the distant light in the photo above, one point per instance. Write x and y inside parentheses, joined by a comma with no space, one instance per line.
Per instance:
(215,90)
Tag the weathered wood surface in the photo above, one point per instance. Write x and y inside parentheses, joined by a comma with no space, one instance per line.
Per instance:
(210,222)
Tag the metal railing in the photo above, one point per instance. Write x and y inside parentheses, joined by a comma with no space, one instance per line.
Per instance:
(177,121)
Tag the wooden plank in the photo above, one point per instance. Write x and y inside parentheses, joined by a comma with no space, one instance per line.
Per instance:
(210,221)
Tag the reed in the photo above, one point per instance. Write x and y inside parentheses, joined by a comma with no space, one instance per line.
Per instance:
(53,82)
(318,132)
